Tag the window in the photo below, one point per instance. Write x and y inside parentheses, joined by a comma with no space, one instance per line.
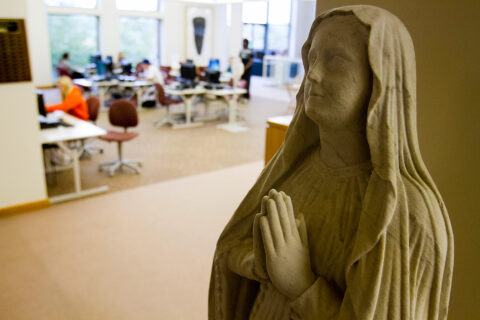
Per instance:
(254,12)
(271,18)
(90,4)
(278,38)
(75,34)
(255,33)
(137,5)
(139,39)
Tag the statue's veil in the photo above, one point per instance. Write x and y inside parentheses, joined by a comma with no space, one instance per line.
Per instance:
(392,138)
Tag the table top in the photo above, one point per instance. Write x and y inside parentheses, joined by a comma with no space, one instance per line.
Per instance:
(186,91)
(136,83)
(282,121)
(80,130)
(88,83)
(201,90)
(225,92)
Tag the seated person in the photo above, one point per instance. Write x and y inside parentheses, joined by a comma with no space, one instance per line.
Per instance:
(73,102)
(65,68)
(152,73)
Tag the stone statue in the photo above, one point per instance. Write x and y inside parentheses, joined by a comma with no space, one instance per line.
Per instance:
(345,221)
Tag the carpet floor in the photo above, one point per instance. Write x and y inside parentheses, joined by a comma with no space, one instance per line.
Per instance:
(143,253)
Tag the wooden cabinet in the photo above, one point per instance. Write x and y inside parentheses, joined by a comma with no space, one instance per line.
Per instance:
(276,130)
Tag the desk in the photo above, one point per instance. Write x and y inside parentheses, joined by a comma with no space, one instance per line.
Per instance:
(139,85)
(81,130)
(280,68)
(231,97)
(187,95)
(103,86)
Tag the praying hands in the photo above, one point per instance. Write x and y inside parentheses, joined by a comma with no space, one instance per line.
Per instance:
(280,246)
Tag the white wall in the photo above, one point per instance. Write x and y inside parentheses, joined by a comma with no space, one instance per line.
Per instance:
(21,165)
(174,31)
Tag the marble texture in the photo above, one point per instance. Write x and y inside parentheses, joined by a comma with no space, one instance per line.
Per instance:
(345,222)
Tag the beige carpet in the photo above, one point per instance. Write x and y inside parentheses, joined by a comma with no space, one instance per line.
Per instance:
(169,154)
(143,253)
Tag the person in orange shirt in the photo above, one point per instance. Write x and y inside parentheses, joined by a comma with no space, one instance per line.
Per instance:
(73,102)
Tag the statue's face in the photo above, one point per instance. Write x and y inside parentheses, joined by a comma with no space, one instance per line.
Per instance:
(338,82)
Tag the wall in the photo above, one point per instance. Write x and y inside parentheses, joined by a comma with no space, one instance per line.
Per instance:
(174,31)
(21,167)
(445,35)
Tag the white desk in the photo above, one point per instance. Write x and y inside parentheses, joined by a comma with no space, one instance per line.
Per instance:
(138,86)
(187,95)
(231,97)
(60,136)
(103,86)
(280,68)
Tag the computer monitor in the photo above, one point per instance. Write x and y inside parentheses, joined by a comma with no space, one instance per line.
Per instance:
(188,71)
(94,58)
(214,64)
(41,103)
(108,66)
(126,68)
(212,76)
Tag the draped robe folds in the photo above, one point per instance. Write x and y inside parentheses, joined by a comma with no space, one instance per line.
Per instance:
(401,263)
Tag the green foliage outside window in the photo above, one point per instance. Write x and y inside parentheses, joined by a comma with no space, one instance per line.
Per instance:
(139,39)
(75,34)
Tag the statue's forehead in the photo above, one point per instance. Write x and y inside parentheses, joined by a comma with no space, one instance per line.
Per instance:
(338,31)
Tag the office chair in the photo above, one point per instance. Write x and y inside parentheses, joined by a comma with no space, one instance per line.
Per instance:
(122,113)
(165,70)
(165,101)
(201,73)
(63,72)
(93,104)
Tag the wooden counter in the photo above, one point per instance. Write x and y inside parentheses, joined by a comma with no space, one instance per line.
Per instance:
(276,130)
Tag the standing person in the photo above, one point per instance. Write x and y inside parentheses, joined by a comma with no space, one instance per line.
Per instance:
(151,73)
(246,54)
(73,102)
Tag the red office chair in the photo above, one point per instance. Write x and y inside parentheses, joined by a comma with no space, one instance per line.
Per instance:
(166,74)
(93,104)
(63,72)
(165,101)
(201,73)
(122,113)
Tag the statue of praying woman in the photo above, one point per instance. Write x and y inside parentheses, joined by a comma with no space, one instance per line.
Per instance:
(345,221)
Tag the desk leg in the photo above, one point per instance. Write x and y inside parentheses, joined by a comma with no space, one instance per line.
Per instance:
(139,97)
(79,193)
(232,125)
(188,100)
(101,96)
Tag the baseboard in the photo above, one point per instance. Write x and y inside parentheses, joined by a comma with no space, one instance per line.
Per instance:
(24,207)
(51,86)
